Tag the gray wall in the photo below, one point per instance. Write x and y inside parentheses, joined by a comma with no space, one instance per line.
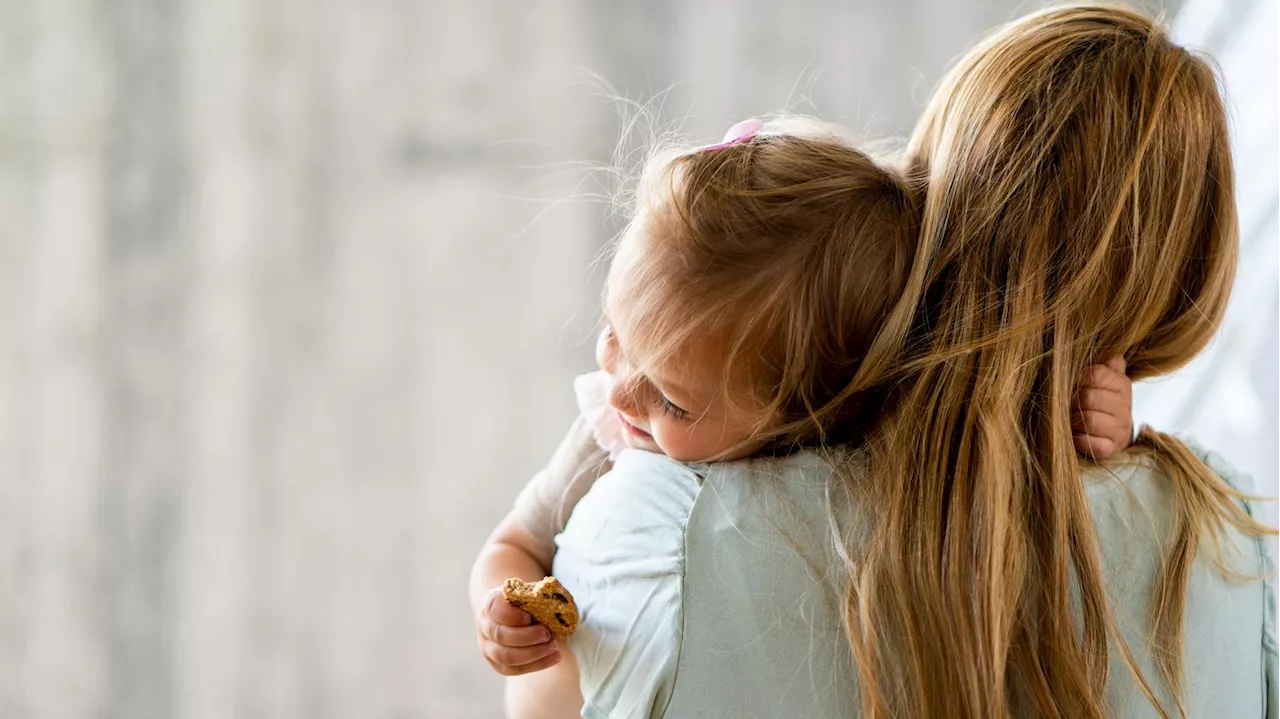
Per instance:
(290,304)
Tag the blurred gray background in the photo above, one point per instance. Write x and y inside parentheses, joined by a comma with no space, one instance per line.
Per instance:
(291,299)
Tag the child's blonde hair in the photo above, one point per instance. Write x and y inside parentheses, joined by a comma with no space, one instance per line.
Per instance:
(784,252)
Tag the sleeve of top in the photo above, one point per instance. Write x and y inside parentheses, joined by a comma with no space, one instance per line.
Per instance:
(544,505)
(1243,482)
(622,558)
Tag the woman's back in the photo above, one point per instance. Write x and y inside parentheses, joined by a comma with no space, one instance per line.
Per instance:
(726,592)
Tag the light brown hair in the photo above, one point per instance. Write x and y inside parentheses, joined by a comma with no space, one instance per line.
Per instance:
(783,254)
(1079,206)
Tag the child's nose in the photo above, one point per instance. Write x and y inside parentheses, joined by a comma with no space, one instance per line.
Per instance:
(622,396)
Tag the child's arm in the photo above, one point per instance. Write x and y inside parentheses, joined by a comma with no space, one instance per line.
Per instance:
(522,546)
(508,640)
(551,694)
(1102,415)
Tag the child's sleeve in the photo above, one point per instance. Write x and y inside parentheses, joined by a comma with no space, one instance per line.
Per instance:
(544,505)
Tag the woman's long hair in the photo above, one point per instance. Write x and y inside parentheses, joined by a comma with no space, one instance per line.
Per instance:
(1079,206)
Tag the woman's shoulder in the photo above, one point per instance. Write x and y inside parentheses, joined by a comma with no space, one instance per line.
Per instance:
(1229,631)
(800,476)
(1134,503)
(766,501)
(1134,482)
(1138,467)
(763,631)
(1239,480)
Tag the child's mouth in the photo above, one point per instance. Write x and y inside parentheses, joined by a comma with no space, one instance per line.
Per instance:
(632,428)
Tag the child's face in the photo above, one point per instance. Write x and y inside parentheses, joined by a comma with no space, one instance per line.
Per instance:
(678,410)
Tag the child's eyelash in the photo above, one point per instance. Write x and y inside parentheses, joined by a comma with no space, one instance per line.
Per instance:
(671,409)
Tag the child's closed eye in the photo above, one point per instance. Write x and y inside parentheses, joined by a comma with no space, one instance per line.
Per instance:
(670,408)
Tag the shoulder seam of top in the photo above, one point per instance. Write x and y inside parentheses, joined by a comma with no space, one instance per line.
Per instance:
(701,478)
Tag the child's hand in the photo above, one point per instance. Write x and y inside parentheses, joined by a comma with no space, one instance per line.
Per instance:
(509,640)
(1102,416)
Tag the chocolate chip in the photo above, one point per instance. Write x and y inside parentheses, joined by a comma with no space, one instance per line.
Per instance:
(560,597)
(560,619)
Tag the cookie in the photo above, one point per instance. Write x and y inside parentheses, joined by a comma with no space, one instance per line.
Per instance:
(547,601)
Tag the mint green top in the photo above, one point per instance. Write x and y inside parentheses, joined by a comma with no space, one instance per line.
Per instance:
(715,590)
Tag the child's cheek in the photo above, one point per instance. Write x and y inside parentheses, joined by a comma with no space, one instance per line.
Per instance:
(679,441)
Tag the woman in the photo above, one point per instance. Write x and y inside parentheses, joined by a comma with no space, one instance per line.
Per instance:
(963,563)
(1080,203)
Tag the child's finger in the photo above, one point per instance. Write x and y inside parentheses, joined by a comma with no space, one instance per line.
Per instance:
(512,657)
(1102,400)
(550,660)
(1094,447)
(1104,377)
(503,612)
(1098,424)
(1117,365)
(509,636)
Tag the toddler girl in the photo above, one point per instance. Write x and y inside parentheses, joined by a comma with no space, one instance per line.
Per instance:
(747,292)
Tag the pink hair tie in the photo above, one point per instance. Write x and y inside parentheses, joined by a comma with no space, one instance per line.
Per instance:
(740,132)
